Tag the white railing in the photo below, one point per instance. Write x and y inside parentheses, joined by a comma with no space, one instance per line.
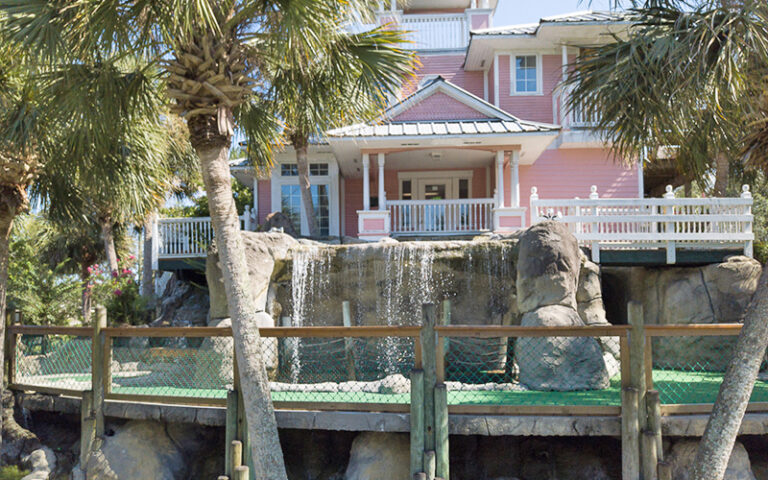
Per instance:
(190,237)
(652,223)
(436,32)
(574,116)
(440,217)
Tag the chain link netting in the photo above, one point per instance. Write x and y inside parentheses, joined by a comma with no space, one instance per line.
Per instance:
(690,369)
(533,371)
(54,361)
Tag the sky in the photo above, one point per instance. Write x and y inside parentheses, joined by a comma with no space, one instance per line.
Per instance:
(511,12)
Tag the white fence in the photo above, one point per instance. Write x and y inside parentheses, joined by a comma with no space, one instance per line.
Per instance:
(440,217)
(430,32)
(652,223)
(189,237)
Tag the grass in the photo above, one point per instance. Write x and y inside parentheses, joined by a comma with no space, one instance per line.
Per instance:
(675,387)
(12,472)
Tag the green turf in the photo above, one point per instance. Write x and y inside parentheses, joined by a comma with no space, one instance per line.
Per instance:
(675,386)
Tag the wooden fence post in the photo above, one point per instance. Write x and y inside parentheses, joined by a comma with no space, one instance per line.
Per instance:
(417,420)
(429,360)
(87,427)
(349,345)
(442,449)
(241,473)
(97,368)
(637,362)
(630,431)
(430,464)
(230,430)
(653,401)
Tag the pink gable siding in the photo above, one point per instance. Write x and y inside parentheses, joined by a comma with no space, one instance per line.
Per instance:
(450,68)
(570,173)
(439,106)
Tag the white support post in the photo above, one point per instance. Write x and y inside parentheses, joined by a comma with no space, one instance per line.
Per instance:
(593,195)
(670,226)
(500,178)
(366,182)
(514,177)
(382,193)
(534,207)
(247,218)
(155,254)
(562,96)
(748,245)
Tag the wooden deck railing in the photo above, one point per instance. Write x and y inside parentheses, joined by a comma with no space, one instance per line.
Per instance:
(667,223)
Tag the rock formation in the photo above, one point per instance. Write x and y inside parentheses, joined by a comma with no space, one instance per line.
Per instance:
(683,453)
(379,456)
(548,271)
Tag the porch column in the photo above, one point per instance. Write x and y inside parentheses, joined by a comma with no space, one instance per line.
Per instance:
(382,193)
(514,177)
(256,199)
(366,182)
(500,178)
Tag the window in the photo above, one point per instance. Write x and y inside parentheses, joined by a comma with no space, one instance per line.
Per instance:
(315,170)
(318,169)
(526,74)
(290,204)
(406,189)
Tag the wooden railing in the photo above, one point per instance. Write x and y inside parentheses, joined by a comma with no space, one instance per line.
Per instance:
(651,223)
(436,217)
(190,237)
(438,31)
(639,391)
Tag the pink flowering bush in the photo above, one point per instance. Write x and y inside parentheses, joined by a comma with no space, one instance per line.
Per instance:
(118,291)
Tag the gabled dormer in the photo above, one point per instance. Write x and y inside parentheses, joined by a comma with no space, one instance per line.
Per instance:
(438,24)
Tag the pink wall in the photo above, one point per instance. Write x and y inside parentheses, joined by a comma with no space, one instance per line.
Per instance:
(264,200)
(450,67)
(439,106)
(353,201)
(570,173)
(480,21)
(537,108)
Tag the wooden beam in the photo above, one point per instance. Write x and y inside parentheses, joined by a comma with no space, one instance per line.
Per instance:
(630,431)
(442,449)
(97,368)
(494,331)
(553,410)
(417,421)
(428,348)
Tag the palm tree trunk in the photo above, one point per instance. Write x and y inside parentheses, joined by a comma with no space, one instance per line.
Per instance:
(723,426)
(302,163)
(722,168)
(254,383)
(6,225)
(85,281)
(147,273)
(108,237)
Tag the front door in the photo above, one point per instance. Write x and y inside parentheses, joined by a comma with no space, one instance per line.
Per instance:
(434,189)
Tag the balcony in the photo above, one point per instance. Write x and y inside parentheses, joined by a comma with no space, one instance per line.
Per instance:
(437,32)
(440,217)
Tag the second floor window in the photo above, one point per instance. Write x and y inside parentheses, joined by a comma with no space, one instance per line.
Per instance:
(315,170)
(525,78)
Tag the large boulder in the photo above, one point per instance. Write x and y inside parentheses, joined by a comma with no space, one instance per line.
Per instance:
(683,454)
(262,252)
(183,304)
(279,221)
(548,267)
(559,363)
(379,456)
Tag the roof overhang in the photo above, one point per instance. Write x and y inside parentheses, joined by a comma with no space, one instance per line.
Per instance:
(415,5)
(548,35)
(349,150)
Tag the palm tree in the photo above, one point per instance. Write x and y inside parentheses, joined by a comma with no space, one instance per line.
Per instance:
(216,57)
(692,79)
(681,77)
(331,91)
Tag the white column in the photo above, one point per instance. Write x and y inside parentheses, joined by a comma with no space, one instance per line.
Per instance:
(366,182)
(640,179)
(514,177)
(564,60)
(500,178)
(382,193)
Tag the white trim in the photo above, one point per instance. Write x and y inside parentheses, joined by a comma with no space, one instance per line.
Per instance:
(256,199)
(513,74)
(330,181)
(496,79)
(485,85)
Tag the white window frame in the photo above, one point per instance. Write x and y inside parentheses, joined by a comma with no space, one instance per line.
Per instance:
(453,175)
(331,181)
(513,73)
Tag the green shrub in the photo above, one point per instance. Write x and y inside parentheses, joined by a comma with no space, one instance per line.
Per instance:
(761,252)
(12,472)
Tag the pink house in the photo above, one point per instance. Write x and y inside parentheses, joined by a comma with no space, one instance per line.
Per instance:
(480,124)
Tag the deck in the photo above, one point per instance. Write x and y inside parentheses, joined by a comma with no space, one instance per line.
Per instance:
(613,231)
